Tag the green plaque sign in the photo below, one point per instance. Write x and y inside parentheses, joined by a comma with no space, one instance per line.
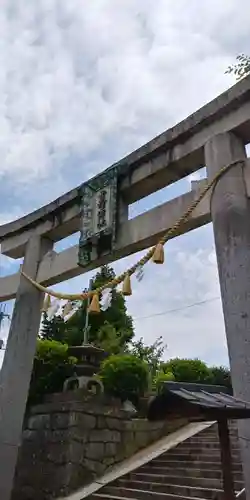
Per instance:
(99,216)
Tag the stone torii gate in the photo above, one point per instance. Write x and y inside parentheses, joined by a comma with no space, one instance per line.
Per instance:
(215,136)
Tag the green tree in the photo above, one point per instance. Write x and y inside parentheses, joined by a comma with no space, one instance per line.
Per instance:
(152,354)
(52,329)
(108,339)
(115,321)
(162,377)
(241,68)
(111,329)
(187,370)
(52,365)
(220,375)
(125,377)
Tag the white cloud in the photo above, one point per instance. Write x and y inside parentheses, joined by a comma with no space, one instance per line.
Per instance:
(10,215)
(73,74)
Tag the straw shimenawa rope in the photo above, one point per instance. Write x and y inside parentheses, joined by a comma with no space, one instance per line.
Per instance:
(156,253)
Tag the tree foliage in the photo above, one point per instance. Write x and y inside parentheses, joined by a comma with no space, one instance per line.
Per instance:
(114,322)
(196,371)
(125,376)
(152,354)
(111,330)
(187,370)
(162,377)
(52,329)
(220,375)
(132,367)
(108,338)
(241,68)
(52,365)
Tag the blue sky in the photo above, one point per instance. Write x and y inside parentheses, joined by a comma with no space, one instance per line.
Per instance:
(82,85)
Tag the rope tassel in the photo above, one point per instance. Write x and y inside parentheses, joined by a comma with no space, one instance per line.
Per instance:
(158,255)
(94,307)
(126,288)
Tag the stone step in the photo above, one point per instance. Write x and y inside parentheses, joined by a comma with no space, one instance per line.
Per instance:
(214,432)
(124,486)
(198,449)
(99,496)
(210,437)
(115,492)
(203,455)
(214,437)
(188,480)
(205,444)
(207,439)
(193,449)
(214,428)
(158,470)
(188,472)
(204,464)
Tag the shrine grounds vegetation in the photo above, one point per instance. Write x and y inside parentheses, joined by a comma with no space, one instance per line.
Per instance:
(242,67)
(131,369)
(125,377)
(111,329)
(52,365)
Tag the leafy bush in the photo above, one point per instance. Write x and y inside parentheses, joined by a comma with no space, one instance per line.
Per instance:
(220,375)
(187,370)
(125,376)
(162,377)
(52,365)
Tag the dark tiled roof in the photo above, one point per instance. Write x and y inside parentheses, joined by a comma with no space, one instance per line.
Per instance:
(197,400)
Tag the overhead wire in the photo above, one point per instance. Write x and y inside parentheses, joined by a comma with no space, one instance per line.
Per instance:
(177,309)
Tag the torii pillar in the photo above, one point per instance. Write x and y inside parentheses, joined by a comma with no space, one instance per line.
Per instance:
(18,362)
(230,210)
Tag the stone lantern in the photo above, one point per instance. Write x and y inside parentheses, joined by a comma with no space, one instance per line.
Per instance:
(89,361)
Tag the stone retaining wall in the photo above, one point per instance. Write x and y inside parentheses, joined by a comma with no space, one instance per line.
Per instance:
(68,444)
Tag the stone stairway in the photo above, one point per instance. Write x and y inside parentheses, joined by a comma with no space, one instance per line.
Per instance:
(191,470)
